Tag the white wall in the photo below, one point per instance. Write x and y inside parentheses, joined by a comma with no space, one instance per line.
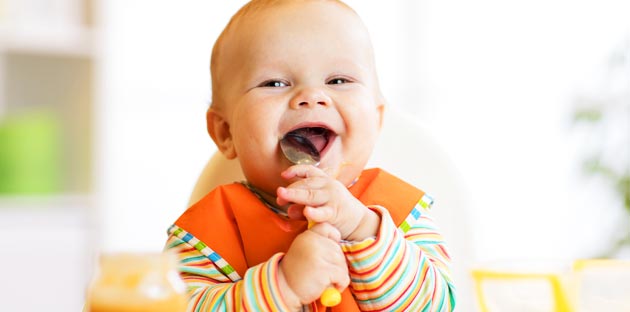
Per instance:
(151,141)
(501,78)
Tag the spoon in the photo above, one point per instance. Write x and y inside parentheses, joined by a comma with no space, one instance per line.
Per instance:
(299,150)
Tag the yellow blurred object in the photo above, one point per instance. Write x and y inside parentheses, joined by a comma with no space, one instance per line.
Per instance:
(590,285)
(560,302)
(137,283)
(602,285)
(330,297)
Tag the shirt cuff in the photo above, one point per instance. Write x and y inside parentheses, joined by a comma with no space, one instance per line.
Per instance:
(364,255)
(262,282)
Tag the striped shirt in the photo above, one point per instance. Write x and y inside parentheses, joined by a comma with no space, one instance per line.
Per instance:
(401,269)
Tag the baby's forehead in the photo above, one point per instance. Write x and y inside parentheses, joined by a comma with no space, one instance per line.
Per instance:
(257,6)
(266,19)
(261,12)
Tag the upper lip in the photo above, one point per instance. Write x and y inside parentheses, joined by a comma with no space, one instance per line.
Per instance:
(310,124)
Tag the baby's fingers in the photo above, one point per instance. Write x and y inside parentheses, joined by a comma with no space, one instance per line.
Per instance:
(302,196)
(343,279)
(302,171)
(319,214)
(327,230)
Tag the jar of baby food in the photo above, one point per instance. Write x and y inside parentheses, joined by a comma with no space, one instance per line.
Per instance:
(128,282)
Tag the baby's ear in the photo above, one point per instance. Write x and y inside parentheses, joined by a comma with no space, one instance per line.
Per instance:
(219,130)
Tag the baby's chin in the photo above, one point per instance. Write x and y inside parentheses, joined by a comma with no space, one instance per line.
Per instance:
(265,180)
(343,169)
(347,173)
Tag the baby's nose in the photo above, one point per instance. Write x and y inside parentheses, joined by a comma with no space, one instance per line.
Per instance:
(310,97)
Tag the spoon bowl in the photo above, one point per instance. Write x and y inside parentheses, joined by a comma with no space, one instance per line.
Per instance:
(299,150)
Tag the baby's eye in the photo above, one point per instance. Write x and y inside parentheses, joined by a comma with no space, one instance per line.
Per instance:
(274,84)
(338,80)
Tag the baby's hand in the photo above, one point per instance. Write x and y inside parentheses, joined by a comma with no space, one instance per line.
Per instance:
(324,199)
(313,262)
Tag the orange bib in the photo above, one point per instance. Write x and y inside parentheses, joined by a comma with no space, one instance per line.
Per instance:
(234,223)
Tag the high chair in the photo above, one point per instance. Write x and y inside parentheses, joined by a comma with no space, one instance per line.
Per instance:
(408,151)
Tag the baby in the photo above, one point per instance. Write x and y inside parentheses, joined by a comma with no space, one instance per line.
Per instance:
(305,69)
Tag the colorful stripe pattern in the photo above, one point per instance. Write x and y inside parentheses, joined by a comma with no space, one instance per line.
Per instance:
(401,270)
(424,203)
(404,269)
(221,264)
(211,290)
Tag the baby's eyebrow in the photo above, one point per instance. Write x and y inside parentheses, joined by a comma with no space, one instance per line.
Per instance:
(351,64)
(273,68)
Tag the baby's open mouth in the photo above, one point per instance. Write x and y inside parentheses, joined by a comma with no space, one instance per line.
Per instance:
(311,141)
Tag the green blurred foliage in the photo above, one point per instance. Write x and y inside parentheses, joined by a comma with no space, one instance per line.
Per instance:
(595,112)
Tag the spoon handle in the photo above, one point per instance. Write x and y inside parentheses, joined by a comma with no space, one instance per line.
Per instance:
(331,296)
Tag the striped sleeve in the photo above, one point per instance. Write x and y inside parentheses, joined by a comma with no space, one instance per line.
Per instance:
(214,286)
(402,269)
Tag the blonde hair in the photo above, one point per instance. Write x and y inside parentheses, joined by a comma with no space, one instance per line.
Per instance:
(249,8)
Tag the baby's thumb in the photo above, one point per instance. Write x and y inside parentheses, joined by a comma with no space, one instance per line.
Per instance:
(326,230)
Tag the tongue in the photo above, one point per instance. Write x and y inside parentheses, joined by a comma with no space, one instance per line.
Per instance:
(316,136)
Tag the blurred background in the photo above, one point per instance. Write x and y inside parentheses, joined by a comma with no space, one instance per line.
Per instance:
(102,126)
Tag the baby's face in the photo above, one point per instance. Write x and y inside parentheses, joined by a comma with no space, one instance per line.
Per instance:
(302,65)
